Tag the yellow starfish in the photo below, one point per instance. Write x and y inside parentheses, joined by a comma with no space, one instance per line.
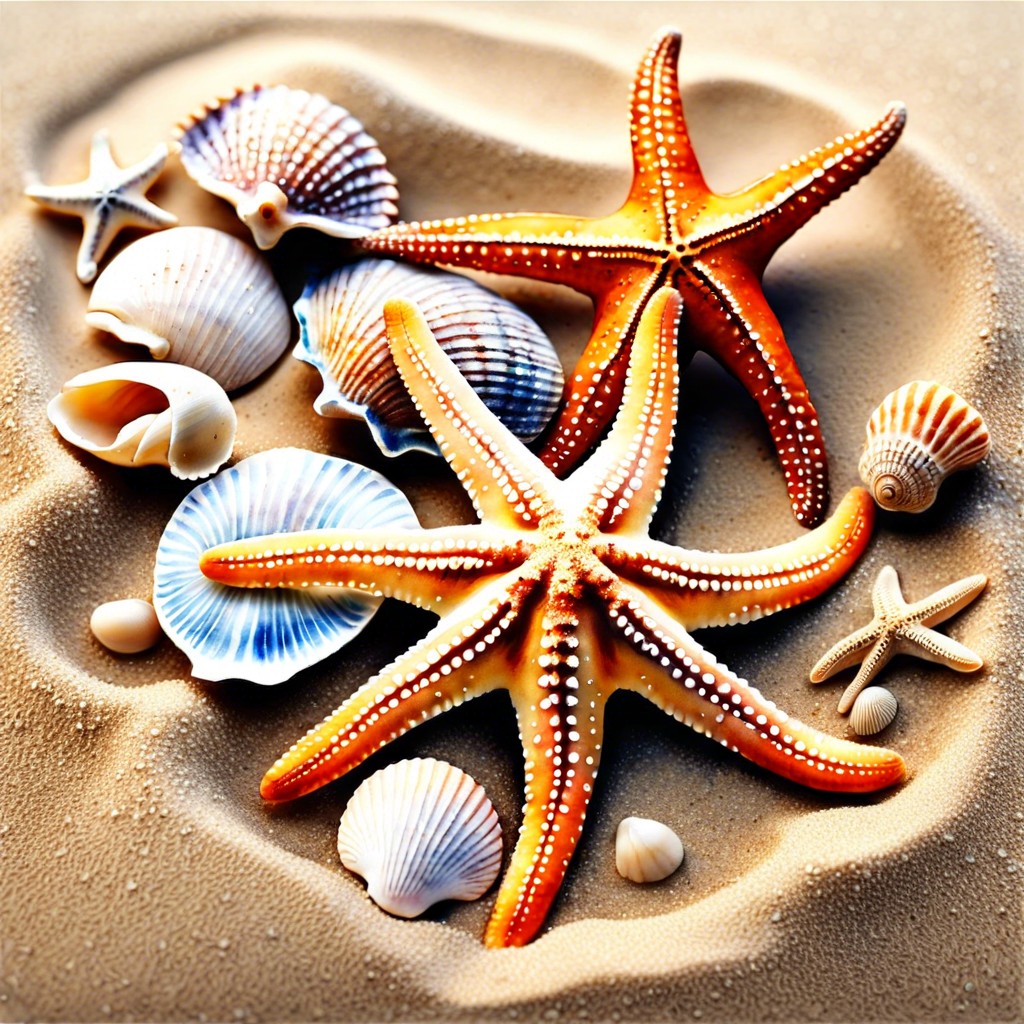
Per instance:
(110,199)
(560,596)
(898,628)
(672,229)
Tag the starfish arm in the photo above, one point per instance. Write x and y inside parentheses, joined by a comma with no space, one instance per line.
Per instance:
(620,486)
(945,603)
(732,321)
(455,662)
(543,246)
(142,174)
(99,229)
(428,568)
(753,223)
(680,677)
(886,597)
(714,589)
(139,212)
(877,658)
(506,483)
(665,168)
(560,710)
(847,652)
(936,647)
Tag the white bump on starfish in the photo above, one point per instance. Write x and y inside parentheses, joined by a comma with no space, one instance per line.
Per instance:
(110,199)
(901,628)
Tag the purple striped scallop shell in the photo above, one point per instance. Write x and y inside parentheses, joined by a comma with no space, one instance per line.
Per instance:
(503,354)
(287,158)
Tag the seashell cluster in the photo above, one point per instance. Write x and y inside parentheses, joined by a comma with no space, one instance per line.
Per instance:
(267,636)
(646,850)
(920,434)
(144,414)
(126,627)
(420,832)
(873,710)
(195,296)
(286,158)
(503,354)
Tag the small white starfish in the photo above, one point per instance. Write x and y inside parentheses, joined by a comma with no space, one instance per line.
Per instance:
(110,199)
(901,628)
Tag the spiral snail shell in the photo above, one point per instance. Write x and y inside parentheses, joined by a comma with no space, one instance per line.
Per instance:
(919,434)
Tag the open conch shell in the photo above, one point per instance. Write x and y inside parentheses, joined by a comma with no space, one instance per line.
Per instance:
(266,636)
(195,296)
(286,158)
(144,414)
(503,354)
(920,434)
(419,832)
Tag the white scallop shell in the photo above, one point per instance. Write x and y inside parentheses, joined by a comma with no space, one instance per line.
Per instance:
(267,636)
(419,832)
(646,850)
(503,354)
(873,710)
(126,627)
(286,158)
(144,414)
(920,434)
(195,296)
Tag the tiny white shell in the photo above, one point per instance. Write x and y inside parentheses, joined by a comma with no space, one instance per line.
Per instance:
(286,158)
(195,296)
(919,434)
(126,627)
(646,850)
(419,832)
(144,414)
(873,710)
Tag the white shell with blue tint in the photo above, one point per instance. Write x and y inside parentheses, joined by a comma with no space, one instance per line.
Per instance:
(266,636)
(506,358)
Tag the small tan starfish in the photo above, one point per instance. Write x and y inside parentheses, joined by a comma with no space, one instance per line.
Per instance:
(110,199)
(901,628)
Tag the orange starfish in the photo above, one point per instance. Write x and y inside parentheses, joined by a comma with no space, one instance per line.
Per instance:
(559,596)
(672,229)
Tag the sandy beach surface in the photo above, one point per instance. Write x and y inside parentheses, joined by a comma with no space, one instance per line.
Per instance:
(142,877)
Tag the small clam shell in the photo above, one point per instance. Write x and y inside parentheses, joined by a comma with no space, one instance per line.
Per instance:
(873,710)
(286,158)
(503,354)
(920,434)
(198,297)
(144,414)
(127,626)
(420,832)
(646,850)
(267,636)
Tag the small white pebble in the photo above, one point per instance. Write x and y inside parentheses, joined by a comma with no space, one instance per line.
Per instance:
(127,627)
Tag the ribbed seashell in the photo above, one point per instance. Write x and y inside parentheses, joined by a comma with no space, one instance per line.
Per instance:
(920,434)
(286,158)
(195,296)
(267,636)
(646,850)
(125,627)
(420,832)
(503,354)
(873,710)
(144,414)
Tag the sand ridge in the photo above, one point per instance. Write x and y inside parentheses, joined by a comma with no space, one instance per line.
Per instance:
(140,868)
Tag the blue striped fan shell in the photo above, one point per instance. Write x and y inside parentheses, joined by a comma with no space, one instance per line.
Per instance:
(266,636)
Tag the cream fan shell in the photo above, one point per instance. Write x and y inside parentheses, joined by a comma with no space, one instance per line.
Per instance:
(195,296)
(420,832)
(505,356)
(126,627)
(286,158)
(920,434)
(873,710)
(145,414)
(646,850)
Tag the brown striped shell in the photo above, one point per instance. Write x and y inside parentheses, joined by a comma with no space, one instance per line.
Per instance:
(286,158)
(920,434)
(503,354)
